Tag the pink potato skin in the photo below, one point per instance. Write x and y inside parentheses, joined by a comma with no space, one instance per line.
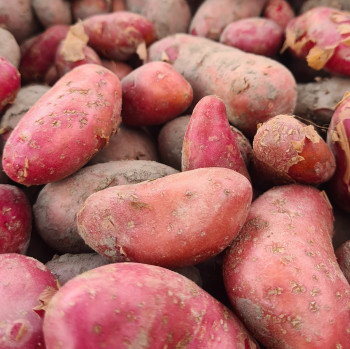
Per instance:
(255,35)
(65,127)
(178,220)
(281,273)
(118,35)
(10,83)
(209,140)
(279,11)
(322,36)
(40,53)
(120,69)
(338,139)
(343,257)
(214,15)
(52,12)
(254,88)
(286,150)
(23,280)
(15,220)
(140,306)
(146,86)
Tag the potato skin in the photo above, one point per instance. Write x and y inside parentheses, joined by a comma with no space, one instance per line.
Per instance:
(279,11)
(23,279)
(57,204)
(65,127)
(177,220)
(254,88)
(146,86)
(141,306)
(9,47)
(282,276)
(52,12)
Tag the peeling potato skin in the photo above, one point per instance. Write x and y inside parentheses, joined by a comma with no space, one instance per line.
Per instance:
(65,127)
(152,222)
(134,305)
(338,139)
(282,276)
(254,88)
(23,279)
(287,151)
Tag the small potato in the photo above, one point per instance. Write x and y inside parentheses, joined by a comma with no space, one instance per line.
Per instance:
(178,220)
(279,11)
(52,12)
(9,48)
(82,9)
(146,86)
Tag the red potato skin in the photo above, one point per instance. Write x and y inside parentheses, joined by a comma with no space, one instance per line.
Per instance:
(40,53)
(150,222)
(120,69)
(23,280)
(253,88)
(338,139)
(15,220)
(146,86)
(65,127)
(118,35)
(279,11)
(213,16)
(10,83)
(286,150)
(281,274)
(167,310)
(255,35)
(343,257)
(209,140)
(322,36)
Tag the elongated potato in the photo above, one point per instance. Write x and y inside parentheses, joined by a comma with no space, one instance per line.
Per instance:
(65,127)
(178,220)
(254,88)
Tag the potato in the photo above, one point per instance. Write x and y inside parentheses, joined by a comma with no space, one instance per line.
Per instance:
(9,48)
(119,35)
(52,12)
(174,221)
(82,9)
(15,220)
(279,11)
(65,127)
(281,273)
(58,203)
(120,69)
(343,257)
(209,140)
(253,88)
(145,86)
(130,143)
(139,306)
(23,281)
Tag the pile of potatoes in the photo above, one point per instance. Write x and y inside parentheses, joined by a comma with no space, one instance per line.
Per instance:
(174,174)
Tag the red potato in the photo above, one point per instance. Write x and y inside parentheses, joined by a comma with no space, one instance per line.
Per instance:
(343,257)
(52,12)
(119,35)
(9,48)
(282,276)
(255,35)
(338,139)
(168,16)
(23,281)
(128,144)
(17,17)
(58,203)
(139,306)
(15,220)
(10,83)
(253,88)
(39,54)
(145,86)
(286,150)
(209,140)
(213,16)
(321,36)
(120,69)
(178,220)
(82,9)
(279,11)
(65,127)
